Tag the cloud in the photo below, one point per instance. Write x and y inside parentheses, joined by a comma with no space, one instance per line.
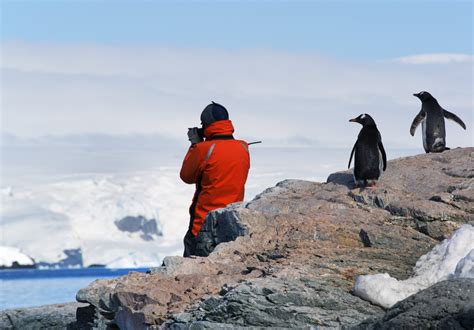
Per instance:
(441,58)
(64,90)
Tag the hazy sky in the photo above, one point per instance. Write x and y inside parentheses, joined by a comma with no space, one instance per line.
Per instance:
(287,71)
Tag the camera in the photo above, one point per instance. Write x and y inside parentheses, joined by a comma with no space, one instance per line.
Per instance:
(195,134)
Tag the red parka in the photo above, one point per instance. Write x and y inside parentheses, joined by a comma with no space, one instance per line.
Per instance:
(219,167)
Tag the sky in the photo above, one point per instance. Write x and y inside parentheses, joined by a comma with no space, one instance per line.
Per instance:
(344,29)
(289,72)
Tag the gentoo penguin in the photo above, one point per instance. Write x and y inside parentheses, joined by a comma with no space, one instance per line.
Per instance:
(370,157)
(431,117)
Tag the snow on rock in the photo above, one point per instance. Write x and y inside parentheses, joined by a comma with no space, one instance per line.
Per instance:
(465,267)
(452,258)
(82,212)
(9,256)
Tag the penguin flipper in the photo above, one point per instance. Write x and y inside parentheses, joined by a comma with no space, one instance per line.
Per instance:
(453,117)
(418,119)
(352,154)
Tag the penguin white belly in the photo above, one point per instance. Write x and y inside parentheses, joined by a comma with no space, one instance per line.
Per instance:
(380,163)
(423,130)
(438,142)
(354,170)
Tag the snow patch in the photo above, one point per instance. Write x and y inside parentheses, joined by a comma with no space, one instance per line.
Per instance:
(465,267)
(11,255)
(452,258)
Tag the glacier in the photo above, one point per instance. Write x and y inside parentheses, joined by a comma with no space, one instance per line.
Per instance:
(83,213)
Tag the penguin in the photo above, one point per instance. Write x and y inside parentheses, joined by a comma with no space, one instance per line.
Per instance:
(431,117)
(370,158)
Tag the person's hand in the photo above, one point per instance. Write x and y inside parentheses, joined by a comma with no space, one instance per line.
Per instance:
(193,135)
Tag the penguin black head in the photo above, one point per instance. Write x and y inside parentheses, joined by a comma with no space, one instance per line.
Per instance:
(423,96)
(364,119)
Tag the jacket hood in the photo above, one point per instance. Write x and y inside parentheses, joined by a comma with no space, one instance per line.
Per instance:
(221,127)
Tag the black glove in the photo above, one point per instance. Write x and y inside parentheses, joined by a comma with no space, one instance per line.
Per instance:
(195,135)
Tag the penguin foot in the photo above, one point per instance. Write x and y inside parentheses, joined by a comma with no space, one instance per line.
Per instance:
(371,183)
(365,183)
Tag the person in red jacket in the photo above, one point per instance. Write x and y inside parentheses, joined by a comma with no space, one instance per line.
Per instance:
(217,164)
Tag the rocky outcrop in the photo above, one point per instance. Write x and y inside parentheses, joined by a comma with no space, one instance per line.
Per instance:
(290,256)
(59,316)
(436,191)
(445,305)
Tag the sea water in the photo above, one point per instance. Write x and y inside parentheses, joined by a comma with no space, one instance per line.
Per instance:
(36,287)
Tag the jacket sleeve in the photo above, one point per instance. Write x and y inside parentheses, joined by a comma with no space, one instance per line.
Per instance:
(191,168)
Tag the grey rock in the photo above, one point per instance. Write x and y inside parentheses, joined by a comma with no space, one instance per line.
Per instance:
(221,225)
(445,305)
(365,238)
(342,178)
(199,325)
(16,265)
(98,293)
(277,303)
(127,320)
(59,316)
(169,265)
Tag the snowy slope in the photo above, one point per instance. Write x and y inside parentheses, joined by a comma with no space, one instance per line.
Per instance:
(452,258)
(78,212)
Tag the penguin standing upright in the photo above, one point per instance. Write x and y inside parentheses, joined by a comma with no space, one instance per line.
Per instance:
(370,158)
(431,117)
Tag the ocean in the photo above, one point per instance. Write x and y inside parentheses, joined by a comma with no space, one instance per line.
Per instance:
(36,287)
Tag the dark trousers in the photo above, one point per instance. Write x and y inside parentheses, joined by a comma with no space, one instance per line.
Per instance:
(189,244)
